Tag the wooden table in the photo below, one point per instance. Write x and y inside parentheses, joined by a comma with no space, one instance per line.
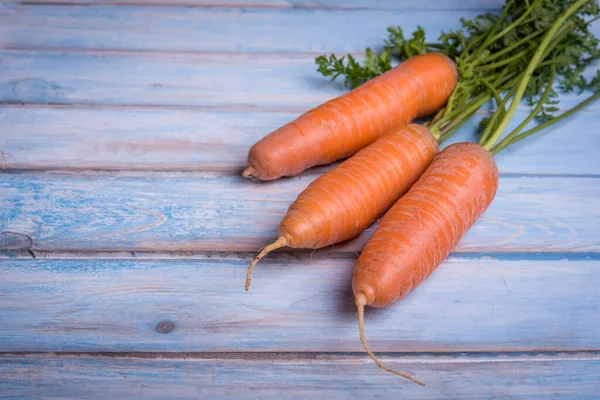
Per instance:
(125,228)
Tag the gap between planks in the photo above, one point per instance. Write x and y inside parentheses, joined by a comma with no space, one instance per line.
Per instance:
(442,357)
(201,171)
(276,256)
(233,107)
(244,54)
(193,107)
(90,106)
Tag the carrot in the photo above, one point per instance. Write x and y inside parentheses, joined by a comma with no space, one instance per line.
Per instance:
(340,127)
(422,227)
(340,204)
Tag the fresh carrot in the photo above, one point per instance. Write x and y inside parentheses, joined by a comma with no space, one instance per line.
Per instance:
(340,204)
(421,229)
(340,127)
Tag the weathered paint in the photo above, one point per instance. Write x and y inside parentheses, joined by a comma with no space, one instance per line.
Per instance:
(131,138)
(182,211)
(14,241)
(171,139)
(294,304)
(237,80)
(464,377)
(212,29)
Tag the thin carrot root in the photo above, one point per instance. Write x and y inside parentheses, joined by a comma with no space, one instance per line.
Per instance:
(360,304)
(280,242)
(249,172)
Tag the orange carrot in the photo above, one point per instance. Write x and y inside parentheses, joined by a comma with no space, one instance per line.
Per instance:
(340,127)
(422,227)
(340,204)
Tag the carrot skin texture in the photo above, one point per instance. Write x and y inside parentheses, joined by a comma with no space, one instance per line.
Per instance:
(420,230)
(340,204)
(340,127)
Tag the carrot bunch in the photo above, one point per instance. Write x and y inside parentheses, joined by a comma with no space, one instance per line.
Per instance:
(428,198)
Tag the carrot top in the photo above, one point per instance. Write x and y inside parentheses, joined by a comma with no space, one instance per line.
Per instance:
(522,53)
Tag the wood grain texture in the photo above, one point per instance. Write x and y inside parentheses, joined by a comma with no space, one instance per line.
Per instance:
(170,139)
(278,81)
(318,4)
(304,305)
(229,213)
(184,29)
(573,377)
(153,85)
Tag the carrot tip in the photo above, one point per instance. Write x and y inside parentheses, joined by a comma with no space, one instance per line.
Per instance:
(360,301)
(249,172)
(280,242)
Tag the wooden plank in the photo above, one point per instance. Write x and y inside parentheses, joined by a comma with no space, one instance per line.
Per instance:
(159,79)
(228,213)
(88,377)
(170,139)
(294,304)
(186,29)
(318,4)
(276,81)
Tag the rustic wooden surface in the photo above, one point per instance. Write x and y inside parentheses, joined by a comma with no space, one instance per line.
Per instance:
(496,377)
(125,229)
(295,304)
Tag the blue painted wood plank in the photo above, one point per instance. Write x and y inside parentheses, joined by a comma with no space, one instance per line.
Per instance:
(228,213)
(318,4)
(212,29)
(169,139)
(294,304)
(88,377)
(275,81)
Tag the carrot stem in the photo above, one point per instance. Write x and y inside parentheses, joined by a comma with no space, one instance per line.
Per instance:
(498,114)
(442,126)
(500,146)
(453,127)
(511,47)
(531,115)
(475,102)
(360,304)
(503,62)
(280,242)
(533,64)
(493,90)
(447,125)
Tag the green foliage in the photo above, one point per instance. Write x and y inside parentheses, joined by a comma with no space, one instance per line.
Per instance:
(355,73)
(375,64)
(492,52)
(402,48)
